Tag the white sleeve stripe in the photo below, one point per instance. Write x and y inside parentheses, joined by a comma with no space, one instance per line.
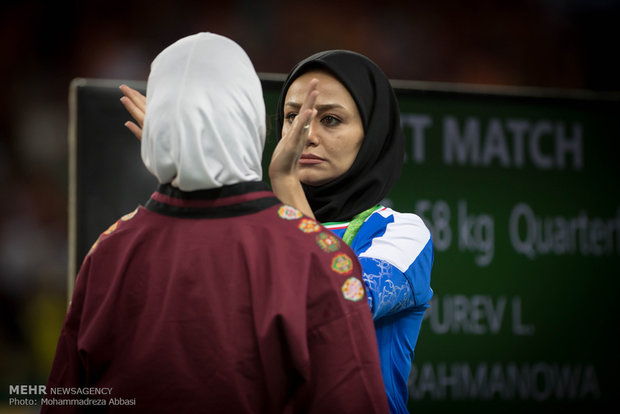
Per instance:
(403,240)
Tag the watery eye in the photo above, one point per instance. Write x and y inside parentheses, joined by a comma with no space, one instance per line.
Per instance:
(290,117)
(330,121)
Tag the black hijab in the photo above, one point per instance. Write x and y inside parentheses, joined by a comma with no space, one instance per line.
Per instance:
(380,158)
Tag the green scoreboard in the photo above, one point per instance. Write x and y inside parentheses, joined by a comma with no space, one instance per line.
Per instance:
(521,193)
(520,190)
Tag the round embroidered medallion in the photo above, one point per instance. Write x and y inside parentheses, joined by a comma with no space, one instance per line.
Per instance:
(309,226)
(289,213)
(342,264)
(353,289)
(327,242)
(111,228)
(129,216)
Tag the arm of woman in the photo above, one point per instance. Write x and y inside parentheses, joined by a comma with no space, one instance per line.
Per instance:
(284,166)
(396,254)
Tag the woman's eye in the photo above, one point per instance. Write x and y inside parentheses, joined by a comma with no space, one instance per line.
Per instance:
(290,117)
(330,121)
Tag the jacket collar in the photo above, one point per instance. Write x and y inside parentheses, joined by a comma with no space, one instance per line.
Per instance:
(227,201)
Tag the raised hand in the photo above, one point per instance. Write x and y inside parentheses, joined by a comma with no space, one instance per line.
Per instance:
(135,103)
(284,166)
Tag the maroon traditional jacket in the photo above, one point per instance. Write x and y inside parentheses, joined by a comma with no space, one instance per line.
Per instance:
(214,301)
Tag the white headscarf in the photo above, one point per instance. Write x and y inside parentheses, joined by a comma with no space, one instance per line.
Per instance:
(205,116)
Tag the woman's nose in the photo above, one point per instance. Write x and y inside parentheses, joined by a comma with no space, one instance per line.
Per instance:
(313,138)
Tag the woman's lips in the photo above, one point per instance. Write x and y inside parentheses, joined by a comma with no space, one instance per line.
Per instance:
(310,159)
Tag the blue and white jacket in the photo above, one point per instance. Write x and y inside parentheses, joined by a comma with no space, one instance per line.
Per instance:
(396,253)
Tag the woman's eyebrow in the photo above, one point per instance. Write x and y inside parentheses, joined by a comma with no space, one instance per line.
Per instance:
(293,105)
(322,107)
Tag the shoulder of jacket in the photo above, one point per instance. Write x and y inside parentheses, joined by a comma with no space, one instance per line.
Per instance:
(398,218)
(112,229)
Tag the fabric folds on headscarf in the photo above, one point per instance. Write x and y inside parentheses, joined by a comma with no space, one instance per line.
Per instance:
(205,120)
(379,161)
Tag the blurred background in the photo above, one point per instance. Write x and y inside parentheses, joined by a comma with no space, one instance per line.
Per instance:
(44,45)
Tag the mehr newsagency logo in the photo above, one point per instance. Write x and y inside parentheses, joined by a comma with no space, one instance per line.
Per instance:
(35,395)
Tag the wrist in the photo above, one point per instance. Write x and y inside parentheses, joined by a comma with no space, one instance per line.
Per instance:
(289,190)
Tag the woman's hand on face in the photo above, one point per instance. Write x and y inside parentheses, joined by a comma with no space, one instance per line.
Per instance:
(284,166)
(135,103)
(285,158)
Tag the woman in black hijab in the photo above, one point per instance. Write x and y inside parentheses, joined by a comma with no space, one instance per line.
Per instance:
(395,249)
(379,161)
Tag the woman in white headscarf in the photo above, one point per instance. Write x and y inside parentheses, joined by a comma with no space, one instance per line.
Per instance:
(214,296)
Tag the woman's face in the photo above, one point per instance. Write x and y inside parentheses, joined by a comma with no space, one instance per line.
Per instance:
(336,133)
